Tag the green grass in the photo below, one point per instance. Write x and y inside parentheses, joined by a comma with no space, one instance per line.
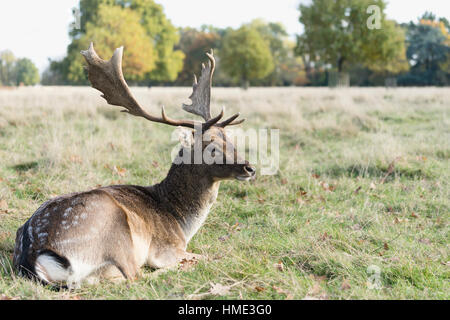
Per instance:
(310,231)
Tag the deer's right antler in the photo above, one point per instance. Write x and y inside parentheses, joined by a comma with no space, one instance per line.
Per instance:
(107,77)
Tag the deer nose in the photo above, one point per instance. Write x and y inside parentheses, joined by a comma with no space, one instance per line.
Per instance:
(250,170)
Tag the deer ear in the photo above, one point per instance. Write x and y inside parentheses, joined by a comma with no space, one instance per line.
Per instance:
(185,136)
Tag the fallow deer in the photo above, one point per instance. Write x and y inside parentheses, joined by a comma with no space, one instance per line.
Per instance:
(113,231)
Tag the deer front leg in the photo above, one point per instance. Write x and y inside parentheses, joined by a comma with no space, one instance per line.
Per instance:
(169,257)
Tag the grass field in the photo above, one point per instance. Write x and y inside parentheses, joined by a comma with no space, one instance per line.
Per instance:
(362,186)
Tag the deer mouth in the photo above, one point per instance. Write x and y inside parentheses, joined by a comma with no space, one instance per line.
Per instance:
(250,173)
(244,178)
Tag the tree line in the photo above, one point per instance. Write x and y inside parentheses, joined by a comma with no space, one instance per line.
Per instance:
(337,41)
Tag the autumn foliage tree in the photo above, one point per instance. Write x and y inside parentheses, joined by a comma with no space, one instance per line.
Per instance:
(194,43)
(115,26)
(139,25)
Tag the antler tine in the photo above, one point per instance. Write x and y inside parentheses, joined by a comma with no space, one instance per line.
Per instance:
(201,94)
(230,121)
(107,77)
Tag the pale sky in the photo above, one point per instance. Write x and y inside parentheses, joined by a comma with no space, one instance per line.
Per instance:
(39,29)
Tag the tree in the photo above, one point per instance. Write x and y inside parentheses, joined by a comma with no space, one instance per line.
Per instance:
(245,55)
(26,72)
(288,69)
(428,51)
(194,44)
(337,33)
(115,26)
(116,22)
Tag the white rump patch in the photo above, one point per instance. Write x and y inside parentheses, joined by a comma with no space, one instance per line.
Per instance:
(50,270)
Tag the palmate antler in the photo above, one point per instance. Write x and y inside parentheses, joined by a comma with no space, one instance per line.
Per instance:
(107,77)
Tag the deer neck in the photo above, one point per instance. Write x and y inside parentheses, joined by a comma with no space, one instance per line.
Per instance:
(188,193)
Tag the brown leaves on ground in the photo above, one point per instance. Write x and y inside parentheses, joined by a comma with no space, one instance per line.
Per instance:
(186,264)
(279,266)
(3,205)
(390,169)
(259,288)
(121,172)
(5,297)
(216,289)
(327,187)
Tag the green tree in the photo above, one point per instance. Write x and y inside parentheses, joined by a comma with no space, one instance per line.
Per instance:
(287,68)
(337,33)
(246,55)
(26,72)
(429,51)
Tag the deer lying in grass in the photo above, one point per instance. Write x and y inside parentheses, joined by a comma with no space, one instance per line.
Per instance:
(113,231)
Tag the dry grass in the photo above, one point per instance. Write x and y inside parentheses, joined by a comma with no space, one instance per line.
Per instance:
(331,211)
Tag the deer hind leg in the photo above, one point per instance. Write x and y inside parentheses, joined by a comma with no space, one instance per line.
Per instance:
(108,272)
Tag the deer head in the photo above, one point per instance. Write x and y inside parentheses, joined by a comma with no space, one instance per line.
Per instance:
(209,149)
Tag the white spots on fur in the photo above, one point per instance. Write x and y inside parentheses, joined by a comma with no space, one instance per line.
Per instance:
(42,235)
(83,215)
(67,212)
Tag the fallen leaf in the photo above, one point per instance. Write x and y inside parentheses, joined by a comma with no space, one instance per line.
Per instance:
(5,297)
(357,190)
(120,171)
(260,289)
(372,186)
(187,264)
(279,266)
(219,290)
(3,204)
(385,246)
(155,164)
(325,236)
(284,181)
(414,215)
(327,187)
